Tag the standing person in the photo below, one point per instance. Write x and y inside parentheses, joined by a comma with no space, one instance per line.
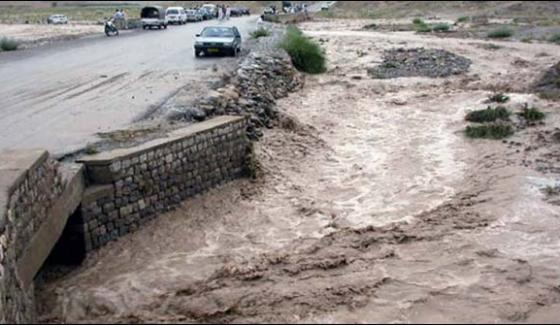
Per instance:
(117,18)
(228,12)
(220,13)
(123,14)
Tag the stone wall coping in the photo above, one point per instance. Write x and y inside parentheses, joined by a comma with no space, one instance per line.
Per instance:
(14,165)
(107,157)
(3,209)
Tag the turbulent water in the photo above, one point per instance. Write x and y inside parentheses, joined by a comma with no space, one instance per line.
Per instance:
(371,207)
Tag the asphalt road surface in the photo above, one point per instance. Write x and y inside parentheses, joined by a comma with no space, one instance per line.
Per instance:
(59,98)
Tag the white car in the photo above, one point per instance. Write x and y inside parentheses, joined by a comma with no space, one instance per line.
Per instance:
(57,19)
(327,5)
(212,8)
(176,15)
(193,15)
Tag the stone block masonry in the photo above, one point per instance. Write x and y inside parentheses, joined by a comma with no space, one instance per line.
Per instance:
(35,201)
(130,186)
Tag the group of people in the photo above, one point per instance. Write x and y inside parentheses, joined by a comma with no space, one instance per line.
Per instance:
(119,19)
(297,8)
(224,12)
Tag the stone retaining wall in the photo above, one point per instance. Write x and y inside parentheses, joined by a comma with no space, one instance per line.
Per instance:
(106,196)
(29,184)
(131,186)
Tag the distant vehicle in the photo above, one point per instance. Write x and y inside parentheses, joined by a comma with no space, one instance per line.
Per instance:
(327,5)
(212,8)
(268,11)
(176,15)
(57,19)
(218,40)
(193,15)
(245,11)
(236,12)
(205,13)
(153,16)
(286,6)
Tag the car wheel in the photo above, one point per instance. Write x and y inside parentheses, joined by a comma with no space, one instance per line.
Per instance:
(196,54)
(164,26)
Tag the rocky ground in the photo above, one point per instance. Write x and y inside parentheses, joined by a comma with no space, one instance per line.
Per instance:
(371,206)
(420,62)
(548,85)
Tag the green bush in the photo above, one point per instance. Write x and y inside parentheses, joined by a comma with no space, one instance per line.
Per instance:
(418,21)
(443,27)
(498,98)
(555,38)
(306,55)
(463,19)
(489,131)
(261,32)
(423,28)
(503,32)
(7,44)
(488,115)
(532,114)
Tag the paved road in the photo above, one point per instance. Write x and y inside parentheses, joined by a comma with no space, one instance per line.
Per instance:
(59,98)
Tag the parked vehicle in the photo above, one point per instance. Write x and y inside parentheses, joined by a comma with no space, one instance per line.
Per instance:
(327,5)
(205,13)
(153,16)
(176,15)
(245,11)
(286,6)
(269,11)
(111,29)
(193,15)
(57,19)
(218,40)
(212,8)
(234,12)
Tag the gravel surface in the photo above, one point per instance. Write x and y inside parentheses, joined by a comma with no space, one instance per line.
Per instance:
(420,62)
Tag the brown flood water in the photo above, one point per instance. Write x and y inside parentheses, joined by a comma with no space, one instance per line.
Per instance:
(372,207)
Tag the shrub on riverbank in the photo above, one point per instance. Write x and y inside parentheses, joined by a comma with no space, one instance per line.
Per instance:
(306,55)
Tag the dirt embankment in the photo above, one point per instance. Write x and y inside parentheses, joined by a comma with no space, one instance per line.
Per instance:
(372,207)
(37,35)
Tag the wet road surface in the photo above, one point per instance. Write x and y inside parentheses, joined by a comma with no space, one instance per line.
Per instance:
(58,98)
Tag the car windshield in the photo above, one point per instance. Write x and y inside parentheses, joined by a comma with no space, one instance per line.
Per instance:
(217,32)
(172,12)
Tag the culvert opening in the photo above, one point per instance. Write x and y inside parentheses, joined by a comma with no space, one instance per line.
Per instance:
(68,252)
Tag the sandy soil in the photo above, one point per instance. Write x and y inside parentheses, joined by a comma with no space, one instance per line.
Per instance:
(32,35)
(372,207)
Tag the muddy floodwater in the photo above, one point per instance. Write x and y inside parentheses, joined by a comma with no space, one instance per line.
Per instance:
(372,206)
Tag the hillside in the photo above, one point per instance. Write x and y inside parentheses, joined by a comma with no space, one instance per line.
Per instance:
(399,9)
